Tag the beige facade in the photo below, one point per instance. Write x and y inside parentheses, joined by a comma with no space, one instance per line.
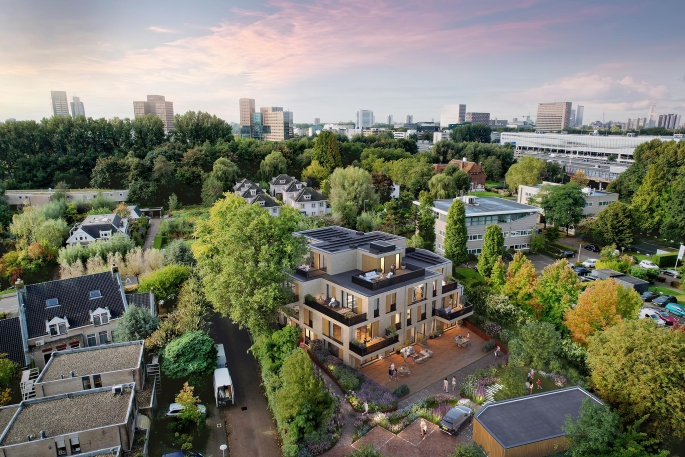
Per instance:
(478,118)
(279,123)
(595,200)
(553,116)
(246,111)
(346,296)
(157,105)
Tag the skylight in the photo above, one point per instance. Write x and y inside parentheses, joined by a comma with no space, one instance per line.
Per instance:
(95,294)
(50,302)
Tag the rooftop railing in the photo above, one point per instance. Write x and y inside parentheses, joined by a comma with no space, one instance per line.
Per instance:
(456,314)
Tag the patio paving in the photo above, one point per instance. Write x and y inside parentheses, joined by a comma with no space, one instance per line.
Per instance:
(447,359)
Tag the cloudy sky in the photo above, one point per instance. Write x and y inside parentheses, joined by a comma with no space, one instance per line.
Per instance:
(329,58)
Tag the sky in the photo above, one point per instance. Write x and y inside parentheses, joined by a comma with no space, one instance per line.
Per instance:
(328,59)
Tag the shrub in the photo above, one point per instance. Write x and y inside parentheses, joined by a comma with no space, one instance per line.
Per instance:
(378,397)
(469,450)
(401,391)
(179,252)
(165,282)
(192,353)
(347,378)
(488,346)
(492,329)
(647,274)
(506,335)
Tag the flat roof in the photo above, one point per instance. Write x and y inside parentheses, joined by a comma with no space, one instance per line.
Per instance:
(99,359)
(532,418)
(340,239)
(6,415)
(345,280)
(69,413)
(487,205)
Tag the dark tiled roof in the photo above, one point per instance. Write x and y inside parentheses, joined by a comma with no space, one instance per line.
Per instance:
(74,299)
(141,300)
(94,229)
(241,183)
(314,195)
(286,178)
(268,201)
(294,186)
(11,340)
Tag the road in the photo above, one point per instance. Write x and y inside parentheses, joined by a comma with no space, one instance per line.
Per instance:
(8,303)
(151,233)
(252,431)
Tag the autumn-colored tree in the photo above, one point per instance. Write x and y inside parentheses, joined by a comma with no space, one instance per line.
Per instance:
(580,178)
(498,277)
(603,304)
(556,289)
(520,283)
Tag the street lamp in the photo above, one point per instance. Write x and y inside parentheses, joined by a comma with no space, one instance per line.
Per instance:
(223,448)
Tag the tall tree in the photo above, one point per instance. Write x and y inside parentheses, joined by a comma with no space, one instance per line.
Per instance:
(351,191)
(520,283)
(493,248)
(426,222)
(243,254)
(493,168)
(195,128)
(326,151)
(442,186)
(603,304)
(226,172)
(273,165)
(212,190)
(563,205)
(456,234)
(614,225)
(135,324)
(315,174)
(383,186)
(525,172)
(191,354)
(556,290)
(674,218)
(498,276)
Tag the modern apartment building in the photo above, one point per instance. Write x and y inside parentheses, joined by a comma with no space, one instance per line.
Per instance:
(516,220)
(579,115)
(365,294)
(157,105)
(669,121)
(595,200)
(292,192)
(553,116)
(251,192)
(389,120)
(247,109)
(278,124)
(409,119)
(60,106)
(365,119)
(452,114)
(77,108)
(317,120)
(478,118)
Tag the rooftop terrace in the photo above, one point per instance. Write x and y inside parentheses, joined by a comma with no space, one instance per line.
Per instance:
(99,359)
(339,239)
(487,205)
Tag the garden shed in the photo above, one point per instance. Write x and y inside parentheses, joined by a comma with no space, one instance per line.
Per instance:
(630,282)
(528,426)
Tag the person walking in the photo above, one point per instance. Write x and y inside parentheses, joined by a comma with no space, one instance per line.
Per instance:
(454,383)
(394,374)
(390,374)
(531,386)
(497,352)
(424,428)
(527,387)
(446,385)
(392,366)
(539,384)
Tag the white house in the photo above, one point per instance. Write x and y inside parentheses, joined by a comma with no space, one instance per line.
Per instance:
(98,227)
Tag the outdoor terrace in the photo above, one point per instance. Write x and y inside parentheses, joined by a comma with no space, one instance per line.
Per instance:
(375,344)
(376,281)
(343,315)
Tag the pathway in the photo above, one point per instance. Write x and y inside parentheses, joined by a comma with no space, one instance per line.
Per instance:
(151,233)
(348,413)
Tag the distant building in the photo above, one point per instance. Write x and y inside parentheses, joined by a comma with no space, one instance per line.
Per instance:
(579,115)
(253,194)
(553,116)
(315,129)
(10,120)
(651,117)
(278,124)
(389,120)
(401,135)
(573,118)
(473,169)
(478,118)
(77,108)
(157,105)
(439,136)
(452,114)
(317,120)
(595,200)
(669,121)
(20,198)
(60,106)
(365,118)
(410,119)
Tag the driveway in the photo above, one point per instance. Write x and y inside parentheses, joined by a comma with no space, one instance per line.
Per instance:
(8,303)
(251,430)
(151,233)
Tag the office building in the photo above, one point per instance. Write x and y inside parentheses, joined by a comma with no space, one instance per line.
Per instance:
(651,117)
(364,119)
(595,200)
(516,220)
(410,119)
(553,116)
(277,124)
(247,109)
(354,286)
(60,106)
(579,115)
(669,121)
(478,118)
(452,114)
(158,106)
(390,120)
(317,120)
(573,118)
(77,108)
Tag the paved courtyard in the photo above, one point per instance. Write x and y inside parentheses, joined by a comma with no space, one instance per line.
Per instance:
(447,359)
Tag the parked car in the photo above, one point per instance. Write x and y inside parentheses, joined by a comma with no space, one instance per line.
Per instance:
(648,264)
(566,254)
(647,313)
(665,316)
(675,308)
(176,408)
(671,273)
(183,454)
(508,256)
(591,247)
(455,418)
(664,300)
(649,295)
(635,259)
(581,271)
(590,263)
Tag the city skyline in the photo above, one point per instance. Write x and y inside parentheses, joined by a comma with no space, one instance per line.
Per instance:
(207,58)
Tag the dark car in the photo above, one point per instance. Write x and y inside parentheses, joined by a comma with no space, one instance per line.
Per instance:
(508,256)
(664,300)
(455,418)
(566,254)
(591,247)
(649,295)
(581,271)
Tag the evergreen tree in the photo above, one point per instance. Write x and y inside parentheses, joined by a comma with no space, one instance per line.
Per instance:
(426,223)
(456,234)
(498,276)
(493,248)
(326,151)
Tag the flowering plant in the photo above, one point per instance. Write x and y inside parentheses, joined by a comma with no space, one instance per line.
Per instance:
(492,329)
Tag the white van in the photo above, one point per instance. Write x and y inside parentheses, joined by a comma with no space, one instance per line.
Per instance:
(646,313)
(220,356)
(223,387)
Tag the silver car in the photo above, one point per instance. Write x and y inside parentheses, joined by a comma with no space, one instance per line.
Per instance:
(455,418)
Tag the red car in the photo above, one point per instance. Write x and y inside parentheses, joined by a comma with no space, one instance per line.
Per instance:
(664,315)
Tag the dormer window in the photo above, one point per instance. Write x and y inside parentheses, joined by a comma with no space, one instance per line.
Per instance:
(282,181)
(253,192)
(307,197)
(51,302)
(100,316)
(95,294)
(261,203)
(57,326)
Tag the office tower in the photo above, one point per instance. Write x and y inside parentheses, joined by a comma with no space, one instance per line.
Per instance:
(390,120)
(277,124)
(553,116)
(77,108)
(579,115)
(364,118)
(157,105)
(478,118)
(317,120)
(452,114)
(246,111)
(573,118)
(60,106)
(669,121)
(651,117)
(410,119)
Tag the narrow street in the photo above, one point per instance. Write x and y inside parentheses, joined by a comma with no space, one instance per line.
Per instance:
(252,432)
(151,233)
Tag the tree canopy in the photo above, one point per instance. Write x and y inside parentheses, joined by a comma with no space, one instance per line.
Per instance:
(135,324)
(456,234)
(563,204)
(191,354)
(350,188)
(614,225)
(493,248)
(525,172)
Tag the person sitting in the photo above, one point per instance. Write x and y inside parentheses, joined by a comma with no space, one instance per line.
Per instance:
(389,275)
(393,267)
(333,303)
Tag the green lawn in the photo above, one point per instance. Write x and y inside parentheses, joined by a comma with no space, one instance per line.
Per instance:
(493,183)
(484,194)
(8,291)
(639,256)
(679,294)
(468,273)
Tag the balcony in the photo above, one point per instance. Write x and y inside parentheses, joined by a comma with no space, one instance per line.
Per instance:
(408,322)
(337,314)
(451,314)
(372,346)
(450,287)
(393,308)
(376,312)
(382,280)
(307,271)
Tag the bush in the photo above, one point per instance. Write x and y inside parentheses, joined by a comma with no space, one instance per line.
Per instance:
(191,354)
(117,244)
(492,329)
(347,378)
(665,260)
(401,391)
(469,450)
(646,274)
(179,252)
(488,346)
(165,282)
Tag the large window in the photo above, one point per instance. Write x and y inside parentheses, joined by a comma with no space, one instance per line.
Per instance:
(97,381)
(91,340)
(103,337)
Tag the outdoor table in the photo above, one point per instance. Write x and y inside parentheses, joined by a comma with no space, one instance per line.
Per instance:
(404,370)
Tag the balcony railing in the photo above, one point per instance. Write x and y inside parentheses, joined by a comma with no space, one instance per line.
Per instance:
(456,314)
(393,307)
(450,287)
(310,272)
(335,315)
(371,348)
(398,325)
(376,312)
(376,284)
(408,322)
(423,316)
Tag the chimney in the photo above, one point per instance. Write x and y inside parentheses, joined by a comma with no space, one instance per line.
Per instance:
(43,435)
(115,269)
(19,285)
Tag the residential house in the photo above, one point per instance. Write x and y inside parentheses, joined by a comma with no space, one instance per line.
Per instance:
(292,192)
(98,421)
(278,184)
(595,200)
(252,193)
(134,213)
(473,169)
(364,294)
(516,220)
(98,227)
(72,313)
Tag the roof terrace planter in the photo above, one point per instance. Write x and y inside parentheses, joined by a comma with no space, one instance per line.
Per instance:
(450,287)
(377,284)
(335,315)
(468,309)
(309,273)
(367,349)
